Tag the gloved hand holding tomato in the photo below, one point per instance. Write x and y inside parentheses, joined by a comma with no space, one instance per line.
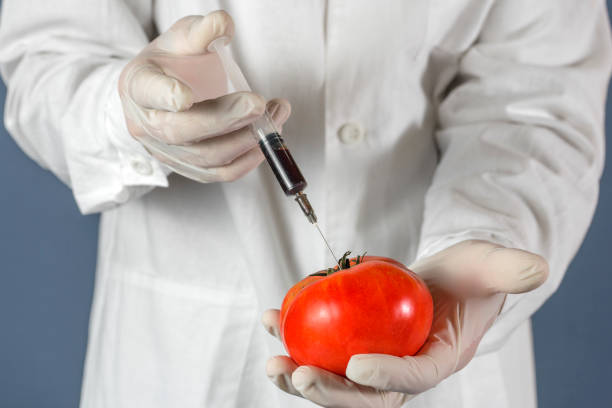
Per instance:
(468,283)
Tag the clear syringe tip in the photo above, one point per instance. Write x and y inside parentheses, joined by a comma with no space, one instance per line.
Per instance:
(307,209)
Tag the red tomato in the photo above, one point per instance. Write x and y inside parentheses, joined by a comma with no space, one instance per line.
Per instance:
(375,306)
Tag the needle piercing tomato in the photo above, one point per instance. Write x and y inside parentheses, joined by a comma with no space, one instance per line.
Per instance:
(372,305)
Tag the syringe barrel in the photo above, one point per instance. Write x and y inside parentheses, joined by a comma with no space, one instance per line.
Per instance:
(269,138)
(270,141)
(278,156)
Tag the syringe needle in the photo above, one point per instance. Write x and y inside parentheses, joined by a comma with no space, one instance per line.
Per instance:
(308,211)
(327,243)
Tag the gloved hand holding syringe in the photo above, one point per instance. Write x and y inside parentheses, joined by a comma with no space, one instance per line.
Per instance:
(185,124)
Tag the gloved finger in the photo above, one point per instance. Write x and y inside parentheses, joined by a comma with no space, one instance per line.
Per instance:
(481,268)
(510,270)
(279,370)
(239,167)
(192,35)
(221,150)
(150,88)
(333,391)
(410,374)
(270,321)
(279,110)
(206,119)
(230,172)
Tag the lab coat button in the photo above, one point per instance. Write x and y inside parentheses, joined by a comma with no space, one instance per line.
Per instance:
(142,167)
(351,133)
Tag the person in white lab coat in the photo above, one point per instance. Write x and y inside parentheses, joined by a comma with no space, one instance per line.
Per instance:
(436,133)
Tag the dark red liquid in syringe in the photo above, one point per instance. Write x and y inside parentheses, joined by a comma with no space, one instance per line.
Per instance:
(284,167)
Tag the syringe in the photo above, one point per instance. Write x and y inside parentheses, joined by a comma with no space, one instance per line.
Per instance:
(285,168)
(271,143)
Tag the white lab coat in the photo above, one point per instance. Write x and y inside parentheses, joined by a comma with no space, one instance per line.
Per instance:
(417,125)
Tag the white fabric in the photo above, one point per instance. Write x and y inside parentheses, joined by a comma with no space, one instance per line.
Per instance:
(482,119)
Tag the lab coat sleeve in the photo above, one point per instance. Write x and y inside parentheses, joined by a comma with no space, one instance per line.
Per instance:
(61,62)
(520,135)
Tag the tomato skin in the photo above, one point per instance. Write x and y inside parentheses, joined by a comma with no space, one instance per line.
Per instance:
(290,297)
(377,306)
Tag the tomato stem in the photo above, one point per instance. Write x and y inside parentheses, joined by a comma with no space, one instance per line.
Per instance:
(344,262)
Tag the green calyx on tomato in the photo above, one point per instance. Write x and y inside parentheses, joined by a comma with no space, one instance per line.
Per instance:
(343,263)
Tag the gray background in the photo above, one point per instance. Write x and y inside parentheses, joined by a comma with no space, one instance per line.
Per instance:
(48,258)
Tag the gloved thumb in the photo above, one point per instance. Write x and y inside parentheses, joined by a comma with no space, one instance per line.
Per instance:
(482,268)
(192,35)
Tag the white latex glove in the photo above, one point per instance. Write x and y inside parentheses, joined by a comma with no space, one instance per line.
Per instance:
(194,111)
(468,282)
